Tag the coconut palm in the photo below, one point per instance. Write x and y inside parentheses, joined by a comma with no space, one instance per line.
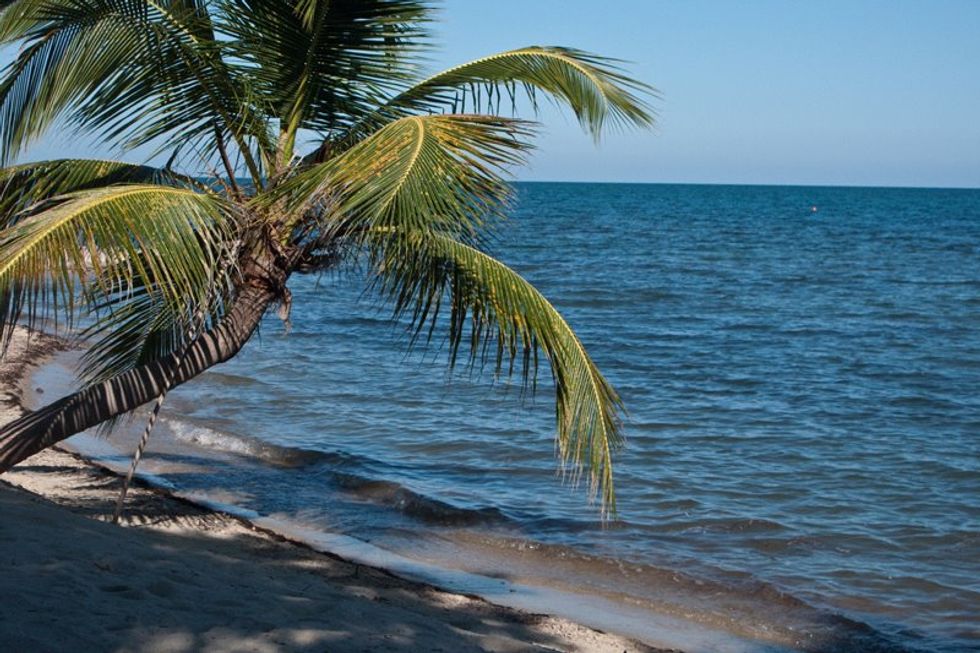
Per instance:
(166,273)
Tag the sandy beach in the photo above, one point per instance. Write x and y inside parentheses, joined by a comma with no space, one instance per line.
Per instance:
(176,577)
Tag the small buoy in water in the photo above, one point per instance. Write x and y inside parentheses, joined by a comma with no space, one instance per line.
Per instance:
(813,209)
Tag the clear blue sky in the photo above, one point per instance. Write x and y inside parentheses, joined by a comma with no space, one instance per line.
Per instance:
(852,92)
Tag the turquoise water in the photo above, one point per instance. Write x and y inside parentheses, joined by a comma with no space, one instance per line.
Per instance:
(803,460)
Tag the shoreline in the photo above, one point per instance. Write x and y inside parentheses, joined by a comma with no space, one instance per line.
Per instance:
(54,535)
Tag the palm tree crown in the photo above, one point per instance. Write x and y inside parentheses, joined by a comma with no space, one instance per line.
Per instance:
(404,174)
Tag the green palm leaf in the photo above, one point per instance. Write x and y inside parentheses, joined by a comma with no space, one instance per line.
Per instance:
(134,71)
(437,172)
(131,326)
(30,185)
(498,316)
(592,86)
(44,80)
(304,54)
(116,242)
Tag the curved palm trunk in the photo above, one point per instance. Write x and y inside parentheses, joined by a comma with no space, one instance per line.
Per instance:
(90,407)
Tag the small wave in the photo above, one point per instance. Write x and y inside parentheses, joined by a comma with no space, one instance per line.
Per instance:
(235,380)
(920,401)
(280,456)
(385,493)
(661,426)
(425,509)
(734,525)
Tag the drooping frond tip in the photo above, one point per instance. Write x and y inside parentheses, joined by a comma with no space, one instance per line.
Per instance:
(499,317)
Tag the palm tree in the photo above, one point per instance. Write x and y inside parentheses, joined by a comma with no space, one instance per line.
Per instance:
(165,274)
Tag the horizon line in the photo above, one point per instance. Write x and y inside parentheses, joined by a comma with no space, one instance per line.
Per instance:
(757,184)
(709,183)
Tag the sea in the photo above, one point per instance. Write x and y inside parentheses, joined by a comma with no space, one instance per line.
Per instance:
(801,370)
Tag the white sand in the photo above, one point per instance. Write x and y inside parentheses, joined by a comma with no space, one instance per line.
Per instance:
(180,578)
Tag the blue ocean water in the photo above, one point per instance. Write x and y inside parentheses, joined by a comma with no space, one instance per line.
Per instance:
(804,422)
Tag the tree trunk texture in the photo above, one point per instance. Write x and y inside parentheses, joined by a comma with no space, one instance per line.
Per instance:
(38,430)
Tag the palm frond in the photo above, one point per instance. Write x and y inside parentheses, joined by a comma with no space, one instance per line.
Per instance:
(500,317)
(42,81)
(33,185)
(16,19)
(323,65)
(117,241)
(134,72)
(594,87)
(133,325)
(130,329)
(441,173)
